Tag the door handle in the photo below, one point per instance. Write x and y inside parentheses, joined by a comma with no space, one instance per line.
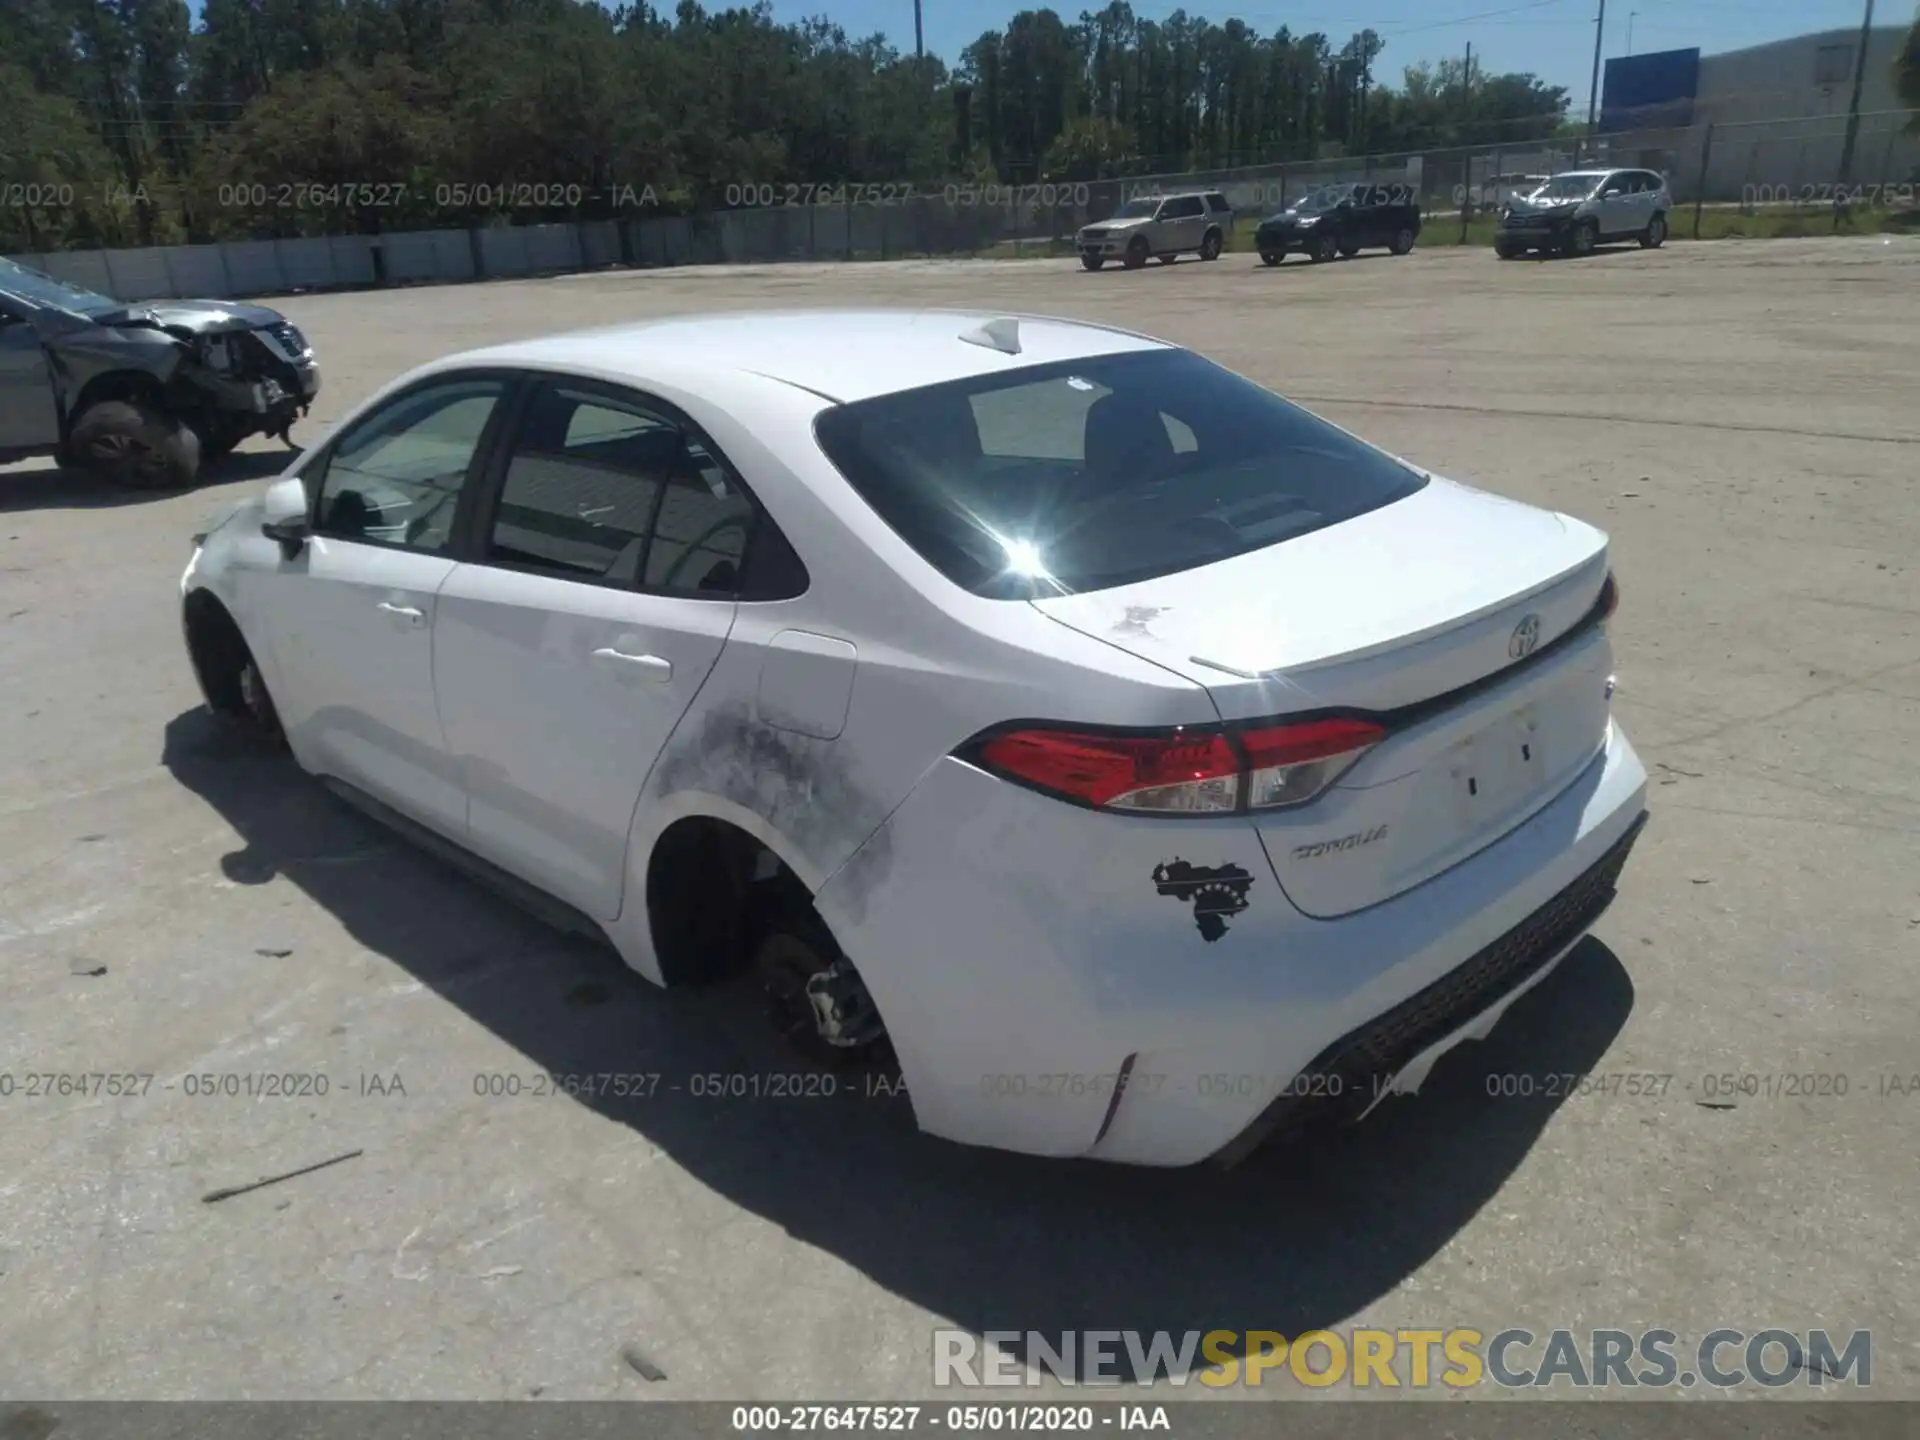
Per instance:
(403,612)
(657,667)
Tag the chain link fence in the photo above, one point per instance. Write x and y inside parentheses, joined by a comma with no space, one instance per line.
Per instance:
(1747,164)
(1804,162)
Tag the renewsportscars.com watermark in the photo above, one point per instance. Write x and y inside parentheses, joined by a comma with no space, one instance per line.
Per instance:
(1456,1359)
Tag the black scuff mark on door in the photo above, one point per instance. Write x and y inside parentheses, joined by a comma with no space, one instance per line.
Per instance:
(1217,892)
(799,785)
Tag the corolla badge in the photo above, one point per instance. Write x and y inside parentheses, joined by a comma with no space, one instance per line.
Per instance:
(1526,636)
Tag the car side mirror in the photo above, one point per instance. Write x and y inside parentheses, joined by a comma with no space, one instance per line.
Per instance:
(283,515)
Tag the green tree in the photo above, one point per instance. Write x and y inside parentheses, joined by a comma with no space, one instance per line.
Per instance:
(345,148)
(53,166)
(1906,74)
(1090,148)
(580,105)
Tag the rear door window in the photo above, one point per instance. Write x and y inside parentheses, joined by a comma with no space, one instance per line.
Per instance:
(1100,472)
(582,486)
(700,539)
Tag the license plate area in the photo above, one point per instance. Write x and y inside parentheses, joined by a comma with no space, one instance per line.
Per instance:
(1497,767)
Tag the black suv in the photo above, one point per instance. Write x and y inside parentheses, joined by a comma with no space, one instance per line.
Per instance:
(1342,220)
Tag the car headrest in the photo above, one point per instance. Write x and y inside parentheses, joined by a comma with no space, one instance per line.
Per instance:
(1123,433)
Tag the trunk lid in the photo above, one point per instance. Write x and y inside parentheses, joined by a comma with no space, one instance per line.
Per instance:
(1430,612)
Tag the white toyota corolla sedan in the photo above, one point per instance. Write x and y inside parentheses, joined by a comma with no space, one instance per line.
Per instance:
(1142,764)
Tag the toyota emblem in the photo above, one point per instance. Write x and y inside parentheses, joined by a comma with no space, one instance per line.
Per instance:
(1526,635)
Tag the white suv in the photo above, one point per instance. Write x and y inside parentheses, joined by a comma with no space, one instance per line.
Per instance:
(1574,212)
(1158,227)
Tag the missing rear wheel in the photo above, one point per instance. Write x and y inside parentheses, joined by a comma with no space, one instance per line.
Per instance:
(816,1000)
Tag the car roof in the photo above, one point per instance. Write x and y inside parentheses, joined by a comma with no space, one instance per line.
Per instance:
(840,355)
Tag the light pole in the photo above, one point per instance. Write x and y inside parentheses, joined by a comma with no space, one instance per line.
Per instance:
(1593,89)
(919,39)
(1853,106)
(1630,15)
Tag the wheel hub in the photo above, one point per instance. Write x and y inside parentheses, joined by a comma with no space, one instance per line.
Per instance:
(253,693)
(843,1012)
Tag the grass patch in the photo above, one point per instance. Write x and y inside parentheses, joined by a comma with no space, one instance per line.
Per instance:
(1775,222)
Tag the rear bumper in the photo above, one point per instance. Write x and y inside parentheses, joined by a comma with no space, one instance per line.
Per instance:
(1346,1079)
(1026,955)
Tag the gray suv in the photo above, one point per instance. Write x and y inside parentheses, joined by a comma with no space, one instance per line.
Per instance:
(1163,227)
(140,394)
(1575,211)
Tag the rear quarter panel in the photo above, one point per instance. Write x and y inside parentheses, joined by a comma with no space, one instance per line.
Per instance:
(931,666)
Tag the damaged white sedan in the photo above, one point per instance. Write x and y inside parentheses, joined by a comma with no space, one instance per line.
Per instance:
(1142,764)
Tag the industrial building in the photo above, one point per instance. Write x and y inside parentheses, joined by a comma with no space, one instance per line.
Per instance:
(1767,122)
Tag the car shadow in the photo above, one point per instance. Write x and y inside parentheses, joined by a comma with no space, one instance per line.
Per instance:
(47,485)
(1298,262)
(1296,1238)
(1612,247)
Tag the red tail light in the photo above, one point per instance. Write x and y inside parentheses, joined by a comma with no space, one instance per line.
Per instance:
(1178,771)
(1185,771)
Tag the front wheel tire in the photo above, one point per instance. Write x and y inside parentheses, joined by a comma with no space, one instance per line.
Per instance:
(1324,249)
(1267,257)
(1136,255)
(1585,236)
(229,676)
(1092,262)
(135,446)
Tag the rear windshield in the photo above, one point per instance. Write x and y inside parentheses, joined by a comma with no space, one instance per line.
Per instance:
(1094,473)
